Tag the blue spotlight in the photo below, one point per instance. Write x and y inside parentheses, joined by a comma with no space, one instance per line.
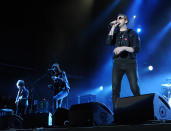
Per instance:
(134,16)
(139,30)
(155,42)
(134,8)
(101,88)
(99,20)
(150,68)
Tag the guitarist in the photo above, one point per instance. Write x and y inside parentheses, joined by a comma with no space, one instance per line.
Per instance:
(22,98)
(59,84)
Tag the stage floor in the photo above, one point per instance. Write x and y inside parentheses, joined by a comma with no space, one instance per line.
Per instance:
(138,127)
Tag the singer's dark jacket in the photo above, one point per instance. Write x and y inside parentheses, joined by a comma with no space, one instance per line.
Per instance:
(127,38)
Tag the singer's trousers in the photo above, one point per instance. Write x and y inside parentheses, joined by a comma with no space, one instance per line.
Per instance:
(128,67)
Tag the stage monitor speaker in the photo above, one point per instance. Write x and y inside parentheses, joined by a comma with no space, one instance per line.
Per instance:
(13,121)
(35,120)
(60,117)
(90,114)
(137,109)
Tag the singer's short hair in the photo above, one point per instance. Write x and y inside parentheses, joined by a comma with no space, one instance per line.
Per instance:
(125,16)
(20,83)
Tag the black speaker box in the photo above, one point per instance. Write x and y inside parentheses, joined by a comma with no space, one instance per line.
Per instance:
(60,117)
(13,121)
(137,109)
(35,120)
(90,114)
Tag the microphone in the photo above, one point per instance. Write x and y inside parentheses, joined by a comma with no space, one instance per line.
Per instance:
(113,23)
(110,24)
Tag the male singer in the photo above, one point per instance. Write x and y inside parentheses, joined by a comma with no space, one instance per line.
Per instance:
(126,44)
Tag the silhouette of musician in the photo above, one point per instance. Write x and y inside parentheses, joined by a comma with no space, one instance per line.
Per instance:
(59,84)
(22,98)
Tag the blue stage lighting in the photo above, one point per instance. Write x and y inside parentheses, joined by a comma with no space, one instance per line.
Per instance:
(155,42)
(134,16)
(139,30)
(101,88)
(150,68)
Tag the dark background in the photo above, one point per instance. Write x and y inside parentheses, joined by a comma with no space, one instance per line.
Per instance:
(34,34)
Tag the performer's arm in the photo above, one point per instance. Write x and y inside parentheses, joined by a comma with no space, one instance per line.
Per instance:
(118,50)
(17,98)
(111,37)
(135,43)
(66,80)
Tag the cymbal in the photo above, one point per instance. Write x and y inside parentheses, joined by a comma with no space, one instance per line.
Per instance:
(166,85)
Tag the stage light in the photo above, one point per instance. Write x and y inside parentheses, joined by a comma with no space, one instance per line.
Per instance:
(139,30)
(150,68)
(101,88)
(134,16)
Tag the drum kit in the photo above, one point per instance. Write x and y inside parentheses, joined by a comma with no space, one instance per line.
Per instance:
(166,90)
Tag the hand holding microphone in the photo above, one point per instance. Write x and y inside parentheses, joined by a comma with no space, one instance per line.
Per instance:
(114,24)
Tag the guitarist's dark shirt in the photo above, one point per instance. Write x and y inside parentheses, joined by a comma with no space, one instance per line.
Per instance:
(60,84)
